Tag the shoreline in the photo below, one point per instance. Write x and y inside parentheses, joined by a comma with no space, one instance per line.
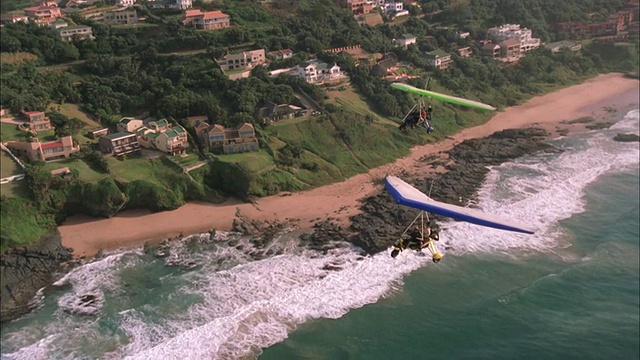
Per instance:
(339,201)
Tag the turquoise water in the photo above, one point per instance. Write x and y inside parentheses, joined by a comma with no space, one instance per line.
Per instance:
(569,291)
(497,307)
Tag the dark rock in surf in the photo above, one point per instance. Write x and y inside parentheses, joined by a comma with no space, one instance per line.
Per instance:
(382,220)
(626,137)
(25,270)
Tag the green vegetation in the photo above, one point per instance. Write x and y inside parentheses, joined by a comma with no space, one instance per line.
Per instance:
(85,172)
(22,223)
(10,132)
(169,69)
(8,166)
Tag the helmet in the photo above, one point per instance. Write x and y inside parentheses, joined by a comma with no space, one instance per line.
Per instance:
(429,108)
(437,257)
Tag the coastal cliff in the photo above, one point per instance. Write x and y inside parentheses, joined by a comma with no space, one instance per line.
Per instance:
(26,269)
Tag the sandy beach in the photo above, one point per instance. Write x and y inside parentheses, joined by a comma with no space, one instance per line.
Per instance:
(339,201)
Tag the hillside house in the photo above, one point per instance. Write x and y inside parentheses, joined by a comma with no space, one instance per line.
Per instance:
(384,66)
(245,60)
(406,40)
(210,20)
(281,54)
(129,124)
(43,14)
(172,141)
(97,133)
(13,18)
(275,112)
(561,46)
(69,33)
(357,7)
(195,121)
(510,50)
(229,140)
(465,52)
(490,49)
(121,16)
(125,3)
(513,31)
(170,4)
(120,143)
(158,125)
(37,120)
(439,59)
(316,72)
(48,151)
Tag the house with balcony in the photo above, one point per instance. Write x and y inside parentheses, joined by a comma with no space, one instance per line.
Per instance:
(129,124)
(245,60)
(513,31)
(317,72)
(172,141)
(357,7)
(61,148)
(43,14)
(229,140)
(510,50)
(490,49)
(13,18)
(465,52)
(120,16)
(169,4)
(210,20)
(406,40)
(120,143)
(37,120)
(125,3)
(160,135)
(439,59)
(68,33)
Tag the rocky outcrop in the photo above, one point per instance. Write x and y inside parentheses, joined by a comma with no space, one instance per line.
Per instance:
(24,270)
(382,220)
(626,137)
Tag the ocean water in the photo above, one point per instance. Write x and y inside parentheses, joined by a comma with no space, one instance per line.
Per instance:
(569,291)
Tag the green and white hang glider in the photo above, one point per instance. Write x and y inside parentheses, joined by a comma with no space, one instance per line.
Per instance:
(442,97)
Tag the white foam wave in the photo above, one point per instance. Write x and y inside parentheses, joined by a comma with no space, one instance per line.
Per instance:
(91,280)
(542,191)
(256,304)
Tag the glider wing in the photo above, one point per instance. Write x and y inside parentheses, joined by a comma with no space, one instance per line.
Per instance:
(442,97)
(407,195)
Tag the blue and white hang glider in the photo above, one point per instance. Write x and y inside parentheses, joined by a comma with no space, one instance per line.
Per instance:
(407,195)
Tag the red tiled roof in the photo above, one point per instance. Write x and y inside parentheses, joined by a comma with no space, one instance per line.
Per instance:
(32,112)
(51,145)
(214,14)
(286,51)
(194,12)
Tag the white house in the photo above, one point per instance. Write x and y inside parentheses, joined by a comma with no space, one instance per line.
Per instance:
(406,40)
(439,59)
(67,33)
(315,71)
(170,4)
(513,31)
(125,3)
